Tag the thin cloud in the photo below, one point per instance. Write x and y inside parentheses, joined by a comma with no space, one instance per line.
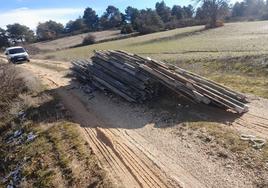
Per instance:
(31,17)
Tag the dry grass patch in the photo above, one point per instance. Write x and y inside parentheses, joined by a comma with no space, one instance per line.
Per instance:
(247,74)
(246,84)
(230,140)
(57,157)
(53,156)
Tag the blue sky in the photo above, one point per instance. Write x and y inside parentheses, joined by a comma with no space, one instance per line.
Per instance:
(98,4)
(30,12)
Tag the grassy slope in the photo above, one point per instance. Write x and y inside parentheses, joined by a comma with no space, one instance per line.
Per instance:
(70,41)
(231,40)
(241,47)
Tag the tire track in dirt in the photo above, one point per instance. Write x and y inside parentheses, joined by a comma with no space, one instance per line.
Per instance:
(136,160)
(114,163)
(182,179)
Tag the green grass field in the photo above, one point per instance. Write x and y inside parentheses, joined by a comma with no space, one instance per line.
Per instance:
(235,55)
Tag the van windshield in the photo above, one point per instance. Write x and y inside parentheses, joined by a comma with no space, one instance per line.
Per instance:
(16,51)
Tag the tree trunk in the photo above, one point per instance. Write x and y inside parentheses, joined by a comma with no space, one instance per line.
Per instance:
(214,13)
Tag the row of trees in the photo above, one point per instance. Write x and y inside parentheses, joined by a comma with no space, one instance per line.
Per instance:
(143,21)
(151,20)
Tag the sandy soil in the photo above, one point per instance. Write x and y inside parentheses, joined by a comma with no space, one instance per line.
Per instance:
(140,146)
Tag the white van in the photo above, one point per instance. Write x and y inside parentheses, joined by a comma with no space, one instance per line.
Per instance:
(17,54)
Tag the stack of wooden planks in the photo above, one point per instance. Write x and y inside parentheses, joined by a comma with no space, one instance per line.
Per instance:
(138,79)
(110,73)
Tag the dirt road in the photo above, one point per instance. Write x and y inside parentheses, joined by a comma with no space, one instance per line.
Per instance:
(136,146)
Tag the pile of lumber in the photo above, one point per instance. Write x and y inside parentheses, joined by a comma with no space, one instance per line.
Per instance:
(110,73)
(138,79)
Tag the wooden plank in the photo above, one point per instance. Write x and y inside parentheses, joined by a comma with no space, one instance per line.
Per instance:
(114,89)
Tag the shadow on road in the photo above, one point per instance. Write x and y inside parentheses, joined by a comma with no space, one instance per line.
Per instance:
(96,109)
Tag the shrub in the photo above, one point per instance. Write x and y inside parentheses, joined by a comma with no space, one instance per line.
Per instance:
(146,29)
(174,23)
(264,16)
(252,19)
(126,29)
(219,23)
(10,86)
(171,24)
(89,39)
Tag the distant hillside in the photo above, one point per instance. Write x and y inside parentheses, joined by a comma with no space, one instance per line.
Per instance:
(71,41)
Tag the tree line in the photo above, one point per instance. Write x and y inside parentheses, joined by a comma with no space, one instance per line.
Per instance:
(143,21)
